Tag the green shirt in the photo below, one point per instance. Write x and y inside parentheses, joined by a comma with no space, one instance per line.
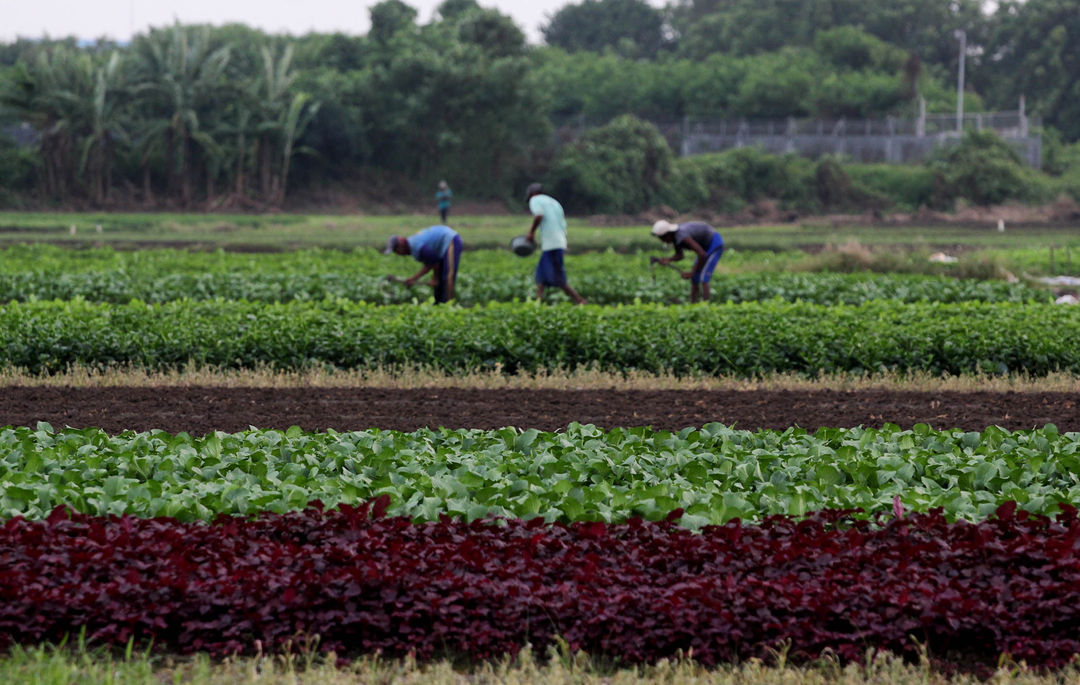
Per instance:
(552,228)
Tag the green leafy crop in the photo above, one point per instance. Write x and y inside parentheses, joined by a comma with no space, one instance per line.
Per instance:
(714,473)
(735,339)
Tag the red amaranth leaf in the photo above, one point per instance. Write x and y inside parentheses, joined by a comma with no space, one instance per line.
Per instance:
(639,591)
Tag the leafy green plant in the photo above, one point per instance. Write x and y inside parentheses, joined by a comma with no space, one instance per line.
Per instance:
(714,473)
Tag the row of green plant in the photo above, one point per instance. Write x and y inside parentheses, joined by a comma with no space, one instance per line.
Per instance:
(104,275)
(746,339)
(714,473)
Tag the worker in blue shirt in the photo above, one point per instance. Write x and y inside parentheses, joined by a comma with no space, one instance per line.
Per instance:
(438,248)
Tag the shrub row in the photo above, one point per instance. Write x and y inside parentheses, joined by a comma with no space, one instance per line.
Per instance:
(106,275)
(626,285)
(714,474)
(636,591)
(744,339)
(626,166)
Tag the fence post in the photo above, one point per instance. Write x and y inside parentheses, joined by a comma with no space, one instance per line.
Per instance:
(1023,117)
(920,123)
(685,135)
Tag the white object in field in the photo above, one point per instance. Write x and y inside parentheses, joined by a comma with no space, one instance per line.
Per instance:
(1067,299)
(71,231)
(1059,280)
(98,227)
(1001,225)
(942,258)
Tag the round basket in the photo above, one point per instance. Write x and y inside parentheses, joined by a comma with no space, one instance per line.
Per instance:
(522,246)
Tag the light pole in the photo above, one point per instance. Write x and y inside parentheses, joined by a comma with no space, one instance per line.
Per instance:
(961,35)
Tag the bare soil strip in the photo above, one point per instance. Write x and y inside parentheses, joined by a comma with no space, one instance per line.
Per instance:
(200,410)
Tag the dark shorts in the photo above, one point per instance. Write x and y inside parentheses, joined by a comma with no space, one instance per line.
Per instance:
(448,269)
(550,270)
(713,253)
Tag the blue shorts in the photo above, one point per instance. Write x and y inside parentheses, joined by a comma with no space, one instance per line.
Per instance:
(447,271)
(712,256)
(550,269)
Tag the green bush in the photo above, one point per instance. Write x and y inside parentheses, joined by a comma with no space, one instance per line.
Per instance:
(17,171)
(739,176)
(621,167)
(986,170)
(907,187)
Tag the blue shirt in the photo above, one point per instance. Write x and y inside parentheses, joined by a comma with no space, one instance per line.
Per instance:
(430,245)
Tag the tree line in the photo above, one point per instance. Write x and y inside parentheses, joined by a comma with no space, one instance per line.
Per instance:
(198,116)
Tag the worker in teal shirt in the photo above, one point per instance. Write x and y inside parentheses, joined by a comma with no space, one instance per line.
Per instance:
(436,247)
(549,218)
(443,197)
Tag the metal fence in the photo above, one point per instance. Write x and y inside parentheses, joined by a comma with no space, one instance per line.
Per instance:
(891,139)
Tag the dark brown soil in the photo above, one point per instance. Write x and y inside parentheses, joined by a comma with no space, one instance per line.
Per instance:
(201,410)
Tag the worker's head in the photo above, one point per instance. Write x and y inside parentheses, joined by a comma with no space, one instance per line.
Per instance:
(533,189)
(396,244)
(665,230)
(443,185)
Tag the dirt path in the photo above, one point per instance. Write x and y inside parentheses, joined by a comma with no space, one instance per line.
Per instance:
(200,410)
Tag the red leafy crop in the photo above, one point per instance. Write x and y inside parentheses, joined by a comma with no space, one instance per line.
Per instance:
(638,590)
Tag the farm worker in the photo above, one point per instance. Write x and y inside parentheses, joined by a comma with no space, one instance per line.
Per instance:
(436,247)
(549,218)
(703,240)
(442,197)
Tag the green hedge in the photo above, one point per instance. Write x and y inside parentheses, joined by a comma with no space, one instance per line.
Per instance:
(744,339)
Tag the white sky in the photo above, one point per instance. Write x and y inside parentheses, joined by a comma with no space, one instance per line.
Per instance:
(119,19)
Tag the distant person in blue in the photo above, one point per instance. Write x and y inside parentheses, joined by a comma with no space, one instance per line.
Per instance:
(436,247)
(548,217)
(442,197)
(701,239)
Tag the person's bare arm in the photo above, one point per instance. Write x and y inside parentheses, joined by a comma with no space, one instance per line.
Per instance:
(677,257)
(532,229)
(411,280)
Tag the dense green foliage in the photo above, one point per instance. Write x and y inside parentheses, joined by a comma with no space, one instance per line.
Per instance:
(745,339)
(105,275)
(626,166)
(228,116)
(714,473)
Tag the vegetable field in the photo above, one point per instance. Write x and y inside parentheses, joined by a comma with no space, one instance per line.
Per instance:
(110,276)
(667,532)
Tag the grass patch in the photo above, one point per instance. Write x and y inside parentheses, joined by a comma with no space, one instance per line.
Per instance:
(49,665)
(419,377)
(289,231)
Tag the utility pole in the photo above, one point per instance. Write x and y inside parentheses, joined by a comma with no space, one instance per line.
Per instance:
(961,35)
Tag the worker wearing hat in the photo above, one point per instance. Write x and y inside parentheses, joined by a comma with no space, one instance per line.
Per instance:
(548,217)
(436,247)
(703,240)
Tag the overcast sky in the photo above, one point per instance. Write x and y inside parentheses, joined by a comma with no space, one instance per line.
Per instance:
(119,19)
